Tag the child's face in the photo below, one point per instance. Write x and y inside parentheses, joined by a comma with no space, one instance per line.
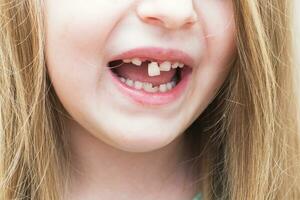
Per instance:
(83,36)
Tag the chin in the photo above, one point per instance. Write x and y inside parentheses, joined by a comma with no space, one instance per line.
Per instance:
(141,140)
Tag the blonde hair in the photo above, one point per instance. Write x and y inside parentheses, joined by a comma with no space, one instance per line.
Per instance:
(249,142)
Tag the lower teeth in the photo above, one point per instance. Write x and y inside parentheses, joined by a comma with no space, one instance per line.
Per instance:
(148,87)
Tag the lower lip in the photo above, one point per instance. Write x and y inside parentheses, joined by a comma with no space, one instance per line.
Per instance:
(157,98)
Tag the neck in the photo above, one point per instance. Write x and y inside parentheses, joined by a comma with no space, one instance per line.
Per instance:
(102,171)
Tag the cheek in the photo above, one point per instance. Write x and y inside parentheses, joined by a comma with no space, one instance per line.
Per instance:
(76,32)
(81,25)
(219,32)
(74,37)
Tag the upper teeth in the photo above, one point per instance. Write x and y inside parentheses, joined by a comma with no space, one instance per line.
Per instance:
(136,61)
(154,68)
(165,66)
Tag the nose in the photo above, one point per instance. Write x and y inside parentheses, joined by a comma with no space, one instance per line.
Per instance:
(170,14)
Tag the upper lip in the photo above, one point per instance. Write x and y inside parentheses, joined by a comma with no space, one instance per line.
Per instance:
(158,54)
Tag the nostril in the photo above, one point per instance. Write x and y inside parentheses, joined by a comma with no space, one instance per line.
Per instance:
(154,20)
(171,22)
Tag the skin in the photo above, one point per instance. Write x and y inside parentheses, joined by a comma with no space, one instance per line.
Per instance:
(118,145)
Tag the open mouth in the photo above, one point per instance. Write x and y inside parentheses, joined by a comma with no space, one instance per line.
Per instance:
(149,75)
(152,75)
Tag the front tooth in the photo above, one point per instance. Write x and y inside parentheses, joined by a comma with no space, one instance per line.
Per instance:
(153,69)
(129,82)
(136,61)
(138,85)
(165,66)
(163,88)
(181,65)
(175,65)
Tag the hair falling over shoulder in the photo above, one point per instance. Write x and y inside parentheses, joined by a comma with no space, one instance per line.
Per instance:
(249,141)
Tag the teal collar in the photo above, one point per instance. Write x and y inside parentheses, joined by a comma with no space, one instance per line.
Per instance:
(197,196)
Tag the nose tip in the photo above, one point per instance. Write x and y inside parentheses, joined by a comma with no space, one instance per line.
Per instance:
(170,14)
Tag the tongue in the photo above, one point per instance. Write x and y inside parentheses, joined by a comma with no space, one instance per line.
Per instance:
(140,73)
